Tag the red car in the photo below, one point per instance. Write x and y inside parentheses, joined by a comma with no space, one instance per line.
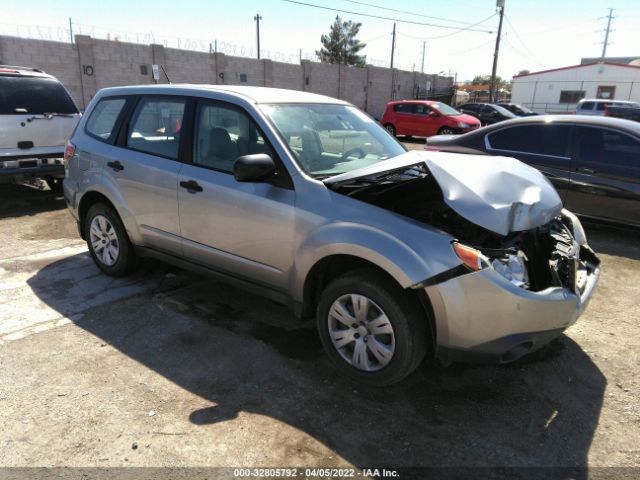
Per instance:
(423,118)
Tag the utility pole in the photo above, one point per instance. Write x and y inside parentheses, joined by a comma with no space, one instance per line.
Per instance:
(606,35)
(393,49)
(257,18)
(393,43)
(424,47)
(70,30)
(492,93)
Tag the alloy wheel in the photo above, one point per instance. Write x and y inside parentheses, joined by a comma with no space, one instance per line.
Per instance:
(104,240)
(361,332)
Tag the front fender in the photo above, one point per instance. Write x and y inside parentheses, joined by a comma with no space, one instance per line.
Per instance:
(407,264)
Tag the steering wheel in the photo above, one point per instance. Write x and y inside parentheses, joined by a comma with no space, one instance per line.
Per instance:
(361,153)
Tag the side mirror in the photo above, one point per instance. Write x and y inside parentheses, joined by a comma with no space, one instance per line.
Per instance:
(256,168)
(433,113)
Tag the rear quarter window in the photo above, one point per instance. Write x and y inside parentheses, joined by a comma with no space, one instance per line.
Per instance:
(103,118)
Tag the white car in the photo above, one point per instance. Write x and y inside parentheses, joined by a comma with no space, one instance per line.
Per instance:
(597,106)
(37,116)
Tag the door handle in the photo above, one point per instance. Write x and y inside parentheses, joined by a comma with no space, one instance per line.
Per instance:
(192,186)
(588,171)
(117,166)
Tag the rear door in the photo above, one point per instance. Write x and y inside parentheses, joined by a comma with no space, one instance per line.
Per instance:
(405,119)
(605,182)
(145,167)
(243,229)
(546,147)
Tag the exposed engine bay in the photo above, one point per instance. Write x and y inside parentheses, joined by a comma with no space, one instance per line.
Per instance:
(534,259)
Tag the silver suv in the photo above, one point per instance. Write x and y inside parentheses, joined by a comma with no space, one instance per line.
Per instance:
(307,200)
(37,116)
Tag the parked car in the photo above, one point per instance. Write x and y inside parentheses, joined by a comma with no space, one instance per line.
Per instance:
(487,113)
(597,106)
(307,200)
(423,118)
(517,110)
(630,111)
(593,162)
(37,116)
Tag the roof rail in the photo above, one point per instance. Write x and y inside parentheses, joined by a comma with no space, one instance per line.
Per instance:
(31,69)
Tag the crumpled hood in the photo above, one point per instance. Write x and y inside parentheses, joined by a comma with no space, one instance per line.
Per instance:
(500,194)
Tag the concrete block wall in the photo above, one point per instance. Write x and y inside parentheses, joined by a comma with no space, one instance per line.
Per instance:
(91,64)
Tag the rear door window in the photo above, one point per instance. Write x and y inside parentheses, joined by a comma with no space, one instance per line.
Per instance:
(33,96)
(604,147)
(155,126)
(532,139)
(103,118)
(420,109)
(402,107)
(586,106)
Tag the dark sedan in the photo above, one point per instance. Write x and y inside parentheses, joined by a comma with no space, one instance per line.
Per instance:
(594,162)
(487,113)
(517,110)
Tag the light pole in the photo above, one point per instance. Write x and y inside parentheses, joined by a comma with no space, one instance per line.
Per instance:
(257,18)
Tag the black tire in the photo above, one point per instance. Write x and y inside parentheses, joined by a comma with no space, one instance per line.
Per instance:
(446,131)
(55,184)
(390,128)
(126,259)
(407,318)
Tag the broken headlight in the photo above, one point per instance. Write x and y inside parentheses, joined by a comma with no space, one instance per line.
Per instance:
(513,268)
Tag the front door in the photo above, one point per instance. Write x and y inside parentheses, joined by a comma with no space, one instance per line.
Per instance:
(242,229)
(426,120)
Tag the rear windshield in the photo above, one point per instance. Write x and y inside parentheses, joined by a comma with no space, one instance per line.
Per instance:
(33,95)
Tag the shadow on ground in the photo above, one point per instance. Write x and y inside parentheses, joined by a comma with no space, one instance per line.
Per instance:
(17,200)
(242,353)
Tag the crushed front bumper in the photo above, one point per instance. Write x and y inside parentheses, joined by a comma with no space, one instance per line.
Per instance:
(481,316)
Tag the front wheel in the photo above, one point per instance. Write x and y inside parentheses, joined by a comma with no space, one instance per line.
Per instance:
(372,330)
(446,131)
(108,241)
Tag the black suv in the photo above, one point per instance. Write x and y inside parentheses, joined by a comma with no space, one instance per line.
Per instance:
(487,113)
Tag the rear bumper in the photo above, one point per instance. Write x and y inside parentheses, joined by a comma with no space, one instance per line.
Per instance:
(481,316)
(29,167)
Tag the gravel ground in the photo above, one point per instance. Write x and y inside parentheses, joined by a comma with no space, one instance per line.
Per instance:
(167,368)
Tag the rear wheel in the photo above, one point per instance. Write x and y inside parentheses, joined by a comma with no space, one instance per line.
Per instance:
(108,241)
(372,330)
(391,129)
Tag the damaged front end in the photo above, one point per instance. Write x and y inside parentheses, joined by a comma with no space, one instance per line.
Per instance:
(504,215)
(526,271)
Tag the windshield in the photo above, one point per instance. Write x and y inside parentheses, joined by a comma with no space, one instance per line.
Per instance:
(504,111)
(445,109)
(33,95)
(328,140)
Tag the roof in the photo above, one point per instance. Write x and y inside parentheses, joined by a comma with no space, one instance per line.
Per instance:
(23,71)
(250,94)
(571,67)
(598,120)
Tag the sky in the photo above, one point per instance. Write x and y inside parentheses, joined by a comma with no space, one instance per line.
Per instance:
(537,34)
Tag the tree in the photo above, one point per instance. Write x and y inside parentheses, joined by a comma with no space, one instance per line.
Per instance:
(341,44)
(524,72)
(485,80)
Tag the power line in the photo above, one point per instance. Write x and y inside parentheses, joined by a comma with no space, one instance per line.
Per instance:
(407,12)
(460,30)
(524,45)
(380,17)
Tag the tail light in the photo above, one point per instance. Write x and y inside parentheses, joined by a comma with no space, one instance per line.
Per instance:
(69,151)
(431,148)
(472,258)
